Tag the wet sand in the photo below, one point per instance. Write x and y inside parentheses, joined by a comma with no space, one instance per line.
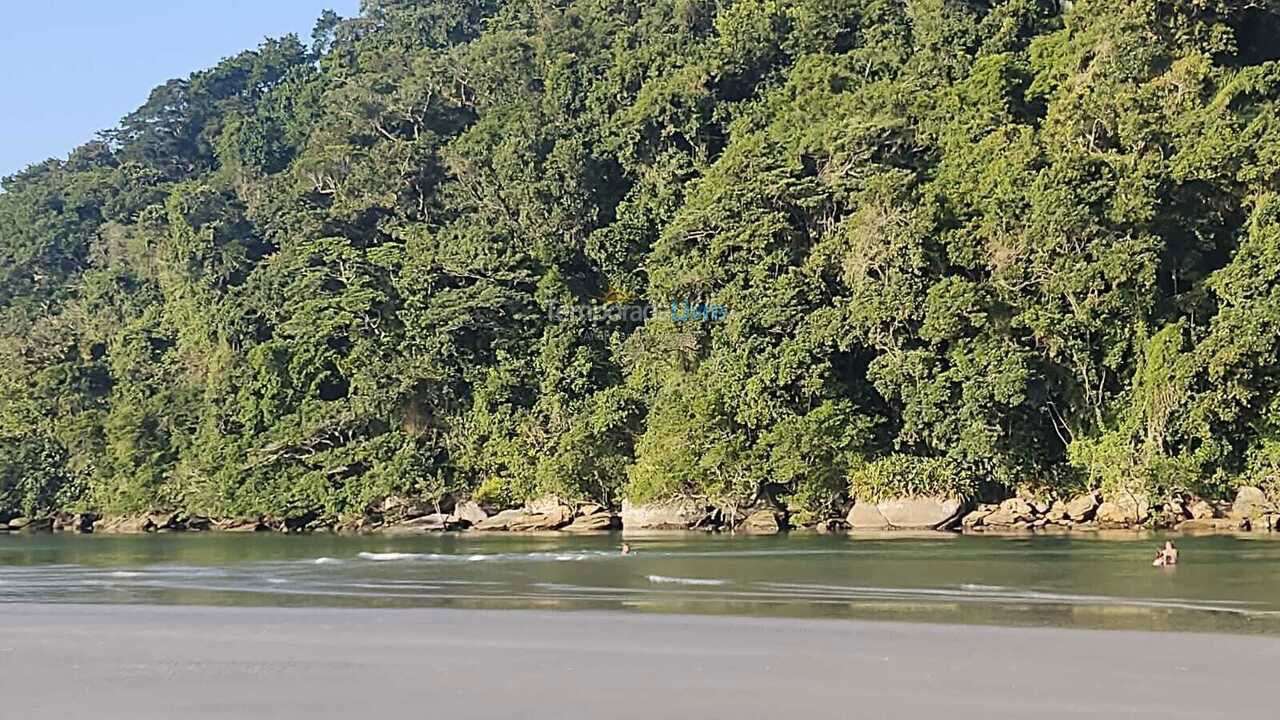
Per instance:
(105,662)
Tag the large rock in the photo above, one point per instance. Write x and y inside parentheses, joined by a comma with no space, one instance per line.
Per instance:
(670,515)
(423,524)
(502,520)
(595,522)
(524,521)
(977,518)
(125,525)
(1201,510)
(1010,513)
(1083,507)
(866,516)
(1208,525)
(1250,503)
(238,525)
(1124,509)
(468,513)
(32,525)
(552,519)
(923,513)
(764,522)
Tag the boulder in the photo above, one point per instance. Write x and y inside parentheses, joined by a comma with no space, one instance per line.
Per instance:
(1208,524)
(1011,513)
(502,520)
(1124,509)
(1201,510)
(922,513)
(1020,507)
(974,519)
(1083,507)
(669,515)
(764,522)
(18,523)
(552,519)
(1250,503)
(832,525)
(596,522)
(423,524)
(589,509)
(468,513)
(199,523)
(33,525)
(1058,512)
(524,521)
(866,516)
(239,525)
(1038,506)
(165,521)
(125,525)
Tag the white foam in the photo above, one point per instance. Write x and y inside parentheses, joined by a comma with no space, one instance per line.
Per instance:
(684,581)
(387,556)
(126,574)
(326,561)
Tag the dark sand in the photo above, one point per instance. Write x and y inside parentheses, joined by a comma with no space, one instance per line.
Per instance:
(105,662)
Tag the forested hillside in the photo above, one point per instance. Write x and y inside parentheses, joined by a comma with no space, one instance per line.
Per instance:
(960,243)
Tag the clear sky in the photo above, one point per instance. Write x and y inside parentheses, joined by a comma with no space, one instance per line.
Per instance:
(69,68)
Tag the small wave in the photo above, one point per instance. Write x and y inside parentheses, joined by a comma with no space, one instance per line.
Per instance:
(684,581)
(326,561)
(387,556)
(127,574)
(277,581)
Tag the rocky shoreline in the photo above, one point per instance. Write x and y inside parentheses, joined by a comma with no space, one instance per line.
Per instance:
(1251,511)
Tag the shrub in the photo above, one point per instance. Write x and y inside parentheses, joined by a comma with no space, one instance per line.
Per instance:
(910,476)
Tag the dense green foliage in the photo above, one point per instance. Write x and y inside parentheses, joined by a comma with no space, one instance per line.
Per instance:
(961,242)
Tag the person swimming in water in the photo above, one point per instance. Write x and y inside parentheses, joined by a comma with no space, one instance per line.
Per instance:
(1166,556)
(626,549)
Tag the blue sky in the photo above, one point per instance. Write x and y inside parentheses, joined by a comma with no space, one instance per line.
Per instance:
(69,68)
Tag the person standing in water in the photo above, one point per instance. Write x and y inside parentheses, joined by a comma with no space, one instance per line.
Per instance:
(1166,556)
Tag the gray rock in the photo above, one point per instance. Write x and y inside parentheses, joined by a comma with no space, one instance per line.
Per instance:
(1083,507)
(125,525)
(424,524)
(669,515)
(764,522)
(1058,512)
(33,525)
(239,525)
(977,518)
(1208,524)
(1250,503)
(468,513)
(1201,510)
(1124,509)
(596,522)
(866,516)
(525,521)
(922,513)
(502,520)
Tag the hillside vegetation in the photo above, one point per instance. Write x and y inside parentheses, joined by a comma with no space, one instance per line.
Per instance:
(959,244)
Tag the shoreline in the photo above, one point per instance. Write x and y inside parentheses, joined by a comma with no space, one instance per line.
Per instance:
(162,661)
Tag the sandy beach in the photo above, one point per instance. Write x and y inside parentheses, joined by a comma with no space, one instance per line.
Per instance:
(104,662)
